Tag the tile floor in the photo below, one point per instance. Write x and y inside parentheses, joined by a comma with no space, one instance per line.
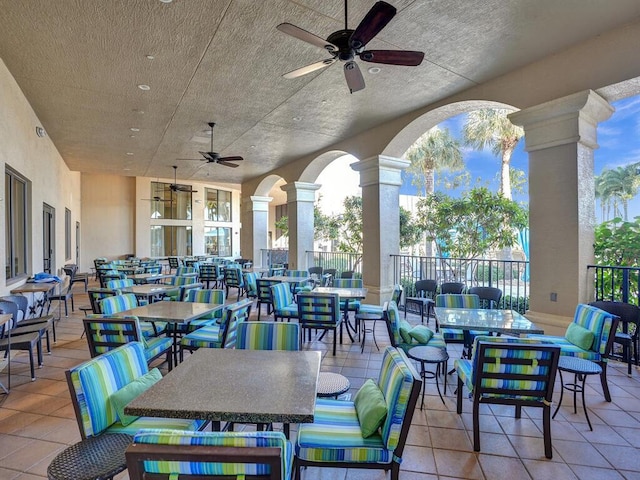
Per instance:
(37,421)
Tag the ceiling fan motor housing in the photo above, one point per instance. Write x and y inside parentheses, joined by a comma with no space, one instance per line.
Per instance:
(341,39)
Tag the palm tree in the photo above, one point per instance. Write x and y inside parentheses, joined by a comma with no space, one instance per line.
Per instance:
(618,187)
(491,128)
(435,151)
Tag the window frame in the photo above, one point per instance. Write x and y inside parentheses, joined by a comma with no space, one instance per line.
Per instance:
(12,271)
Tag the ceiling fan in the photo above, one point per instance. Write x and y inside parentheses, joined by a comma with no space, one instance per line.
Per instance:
(156,199)
(214,157)
(347,44)
(175,187)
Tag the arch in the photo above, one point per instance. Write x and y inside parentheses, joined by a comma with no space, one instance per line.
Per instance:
(412,131)
(266,184)
(315,167)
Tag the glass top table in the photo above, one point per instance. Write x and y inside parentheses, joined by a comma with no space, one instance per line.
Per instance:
(501,321)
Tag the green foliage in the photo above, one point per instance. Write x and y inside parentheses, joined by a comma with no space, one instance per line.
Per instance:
(617,243)
(410,230)
(470,226)
(519,304)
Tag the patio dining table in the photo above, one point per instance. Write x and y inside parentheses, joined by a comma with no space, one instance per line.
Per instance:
(143,278)
(346,294)
(248,386)
(148,291)
(176,313)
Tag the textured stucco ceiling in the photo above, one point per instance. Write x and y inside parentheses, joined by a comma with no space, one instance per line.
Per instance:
(79,63)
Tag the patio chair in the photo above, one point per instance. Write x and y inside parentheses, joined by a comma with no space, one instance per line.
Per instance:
(94,384)
(330,273)
(36,322)
(348,305)
(97,294)
(66,294)
(222,335)
(595,346)
(216,297)
(425,293)
(268,336)
(451,287)
(110,275)
(174,263)
(264,295)
(518,372)
(71,269)
(182,284)
(153,269)
(173,454)
(336,438)
(208,273)
(400,331)
(119,303)
(118,284)
(457,300)
(187,270)
(105,334)
(627,331)
(20,342)
(320,312)
(303,286)
(233,279)
(489,296)
(40,325)
(276,269)
(315,271)
(251,284)
(284,305)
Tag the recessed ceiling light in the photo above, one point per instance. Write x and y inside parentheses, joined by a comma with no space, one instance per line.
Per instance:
(374,70)
(134,129)
(144,87)
(166,1)
(135,110)
(297,119)
(129,153)
(132,136)
(253,146)
(150,57)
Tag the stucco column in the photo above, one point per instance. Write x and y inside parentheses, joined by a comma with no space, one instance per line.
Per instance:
(380,179)
(301,197)
(255,227)
(560,137)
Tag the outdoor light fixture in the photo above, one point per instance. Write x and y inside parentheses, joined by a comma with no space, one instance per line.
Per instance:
(41,132)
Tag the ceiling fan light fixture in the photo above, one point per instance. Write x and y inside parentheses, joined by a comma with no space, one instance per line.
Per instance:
(374,70)
(144,87)
(134,129)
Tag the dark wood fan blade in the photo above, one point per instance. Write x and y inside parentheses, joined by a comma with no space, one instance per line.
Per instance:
(230,159)
(373,22)
(393,57)
(227,164)
(190,159)
(354,76)
(309,68)
(305,36)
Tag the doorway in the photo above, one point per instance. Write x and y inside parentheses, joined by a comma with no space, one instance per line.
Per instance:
(48,238)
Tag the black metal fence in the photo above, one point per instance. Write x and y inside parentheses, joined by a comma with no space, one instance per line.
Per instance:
(621,284)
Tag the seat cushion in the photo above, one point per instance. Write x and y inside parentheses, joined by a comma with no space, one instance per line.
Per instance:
(155,346)
(452,335)
(208,337)
(156,422)
(569,349)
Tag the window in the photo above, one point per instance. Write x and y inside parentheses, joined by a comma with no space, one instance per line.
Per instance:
(17,205)
(217,241)
(171,241)
(169,204)
(281,211)
(67,234)
(218,207)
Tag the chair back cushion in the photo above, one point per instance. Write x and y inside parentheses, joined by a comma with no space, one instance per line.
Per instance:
(186,270)
(179,281)
(319,310)
(105,334)
(264,289)
(122,283)
(164,463)
(118,303)
(268,336)
(347,282)
(396,381)
(600,323)
(233,277)
(250,282)
(281,296)
(237,313)
(393,323)
(206,296)
(92,383)
(457,300)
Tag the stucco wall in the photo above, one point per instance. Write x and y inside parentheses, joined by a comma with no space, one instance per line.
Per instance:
(37,159)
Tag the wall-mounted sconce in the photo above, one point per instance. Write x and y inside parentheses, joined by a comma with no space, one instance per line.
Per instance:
(41,132)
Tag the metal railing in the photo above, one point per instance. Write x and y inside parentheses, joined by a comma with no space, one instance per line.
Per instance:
(341,261)
(621,284)
(510,276)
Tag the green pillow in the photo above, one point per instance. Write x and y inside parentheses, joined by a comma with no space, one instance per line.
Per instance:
(405,328)
(127,393)
(421,333)
(580,336)
(371,408)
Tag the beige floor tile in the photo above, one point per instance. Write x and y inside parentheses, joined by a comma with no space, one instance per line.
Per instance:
(457,464)
(497,467)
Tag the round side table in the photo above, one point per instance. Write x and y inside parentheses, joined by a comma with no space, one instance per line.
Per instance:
(361,322)
(94,458)
(580,368)
(435,355)
(332,385)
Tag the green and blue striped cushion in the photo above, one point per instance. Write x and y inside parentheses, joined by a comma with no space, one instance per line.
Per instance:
(393,317)
(118,303)
(218,439)
(268,336)
(207,337)
(283,303)
(117,284)
(456,300)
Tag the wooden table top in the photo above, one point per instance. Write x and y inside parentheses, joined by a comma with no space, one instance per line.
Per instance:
(252,386)
(42,287)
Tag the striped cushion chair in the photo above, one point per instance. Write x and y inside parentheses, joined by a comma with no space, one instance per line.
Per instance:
(105,334)
(251,284)
(372,309)
(335,439)
(392,318)
(268,336)
(353,305)
(231,454)
(222,335)
(118,284)
(510,371)
(92,383)
(304,286)
(457,300)
(284,306)
(181,284)
(203,296)
(119,303)
(320,312)
(603,325)
(233,279)
(189,271)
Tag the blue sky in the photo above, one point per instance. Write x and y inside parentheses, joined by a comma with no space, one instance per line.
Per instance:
(618,137)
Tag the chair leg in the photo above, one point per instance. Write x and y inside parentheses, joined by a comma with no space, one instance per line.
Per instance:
(73,308)
(603,381)
(31,365)
(476,425)
(518,411)
(335,341)
(546,431)
(459,396)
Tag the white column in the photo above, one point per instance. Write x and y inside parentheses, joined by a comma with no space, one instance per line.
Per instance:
(255,228)
(301,197)
(380,179)
(560,137)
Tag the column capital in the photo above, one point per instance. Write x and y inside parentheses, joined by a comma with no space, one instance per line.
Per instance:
(257,203)
(300,191)
(571,119)
(380,170)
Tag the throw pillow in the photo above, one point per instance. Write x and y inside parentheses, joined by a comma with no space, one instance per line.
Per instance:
(371,407)
(127,393)
(580,336)
(421,333)
(405,328)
